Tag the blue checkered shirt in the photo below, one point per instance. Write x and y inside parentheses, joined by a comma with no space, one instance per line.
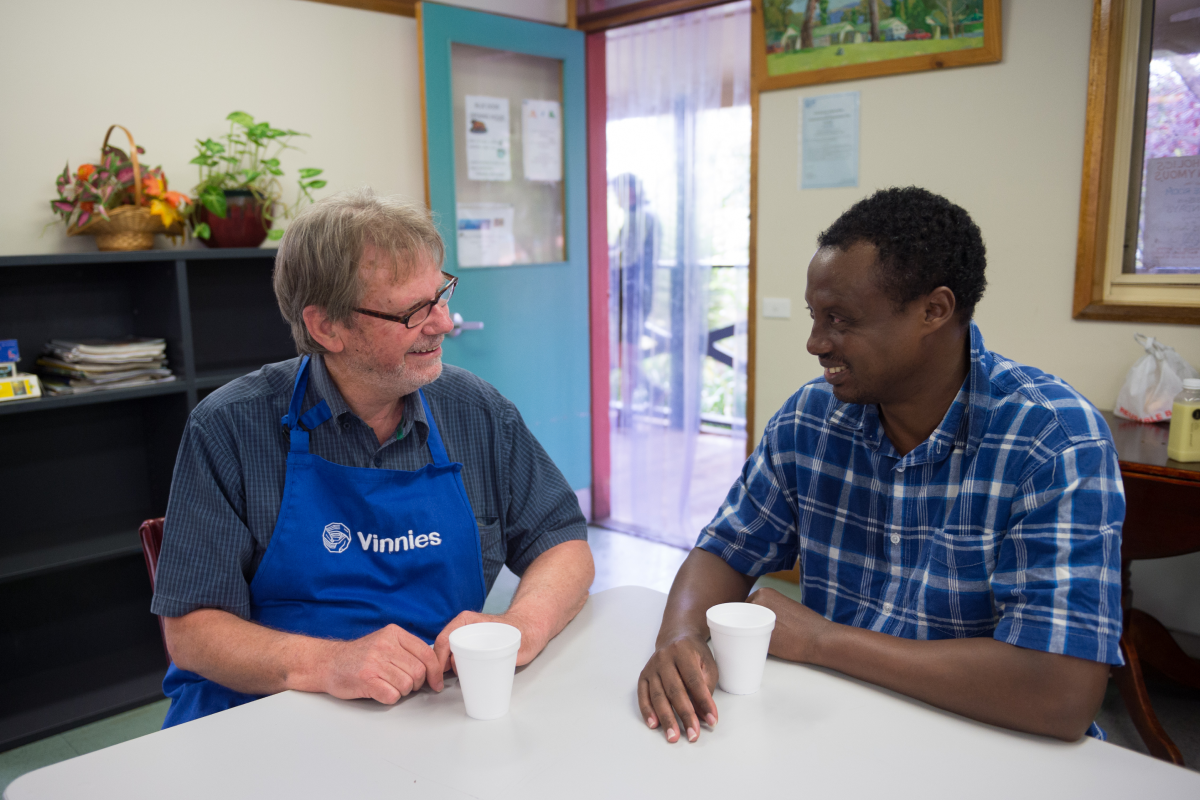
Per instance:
(1005,522)
(229,477)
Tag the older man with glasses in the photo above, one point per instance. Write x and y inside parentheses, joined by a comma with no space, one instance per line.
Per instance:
(334,517)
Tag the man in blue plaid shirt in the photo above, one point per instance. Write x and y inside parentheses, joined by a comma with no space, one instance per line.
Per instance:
(956,516)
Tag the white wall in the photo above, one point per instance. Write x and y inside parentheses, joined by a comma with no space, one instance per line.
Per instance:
(1005,141)
(171,71)
(552,12)
(349,78)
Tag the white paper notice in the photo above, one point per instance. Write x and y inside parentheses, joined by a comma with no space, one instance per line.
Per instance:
(488,134)
(1171,237)
(541,140)
(485,235)
(829,141)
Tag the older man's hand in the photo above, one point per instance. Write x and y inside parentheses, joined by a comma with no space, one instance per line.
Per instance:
(533,640)
(385,665)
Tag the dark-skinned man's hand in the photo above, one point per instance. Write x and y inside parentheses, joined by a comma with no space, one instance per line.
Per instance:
(681,675)
(798,629)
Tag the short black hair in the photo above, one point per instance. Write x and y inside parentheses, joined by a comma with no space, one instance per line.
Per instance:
(924,241)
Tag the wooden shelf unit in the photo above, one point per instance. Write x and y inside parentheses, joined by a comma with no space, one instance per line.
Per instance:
(81,472)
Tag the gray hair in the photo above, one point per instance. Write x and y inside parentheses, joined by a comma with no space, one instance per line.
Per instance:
(321,251)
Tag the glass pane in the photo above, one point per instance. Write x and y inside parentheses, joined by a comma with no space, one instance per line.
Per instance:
(508,157)
(678,163)
(1168,224)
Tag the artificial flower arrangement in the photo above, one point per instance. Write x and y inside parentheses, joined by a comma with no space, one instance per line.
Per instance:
(119,202)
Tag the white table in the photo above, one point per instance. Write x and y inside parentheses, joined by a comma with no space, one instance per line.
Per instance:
(574,730)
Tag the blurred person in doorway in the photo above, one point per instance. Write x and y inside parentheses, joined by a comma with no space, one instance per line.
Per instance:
(632,260)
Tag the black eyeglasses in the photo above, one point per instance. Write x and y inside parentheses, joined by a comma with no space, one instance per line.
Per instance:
(421,313)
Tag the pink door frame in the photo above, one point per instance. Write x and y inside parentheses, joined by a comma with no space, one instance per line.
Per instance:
(597,114)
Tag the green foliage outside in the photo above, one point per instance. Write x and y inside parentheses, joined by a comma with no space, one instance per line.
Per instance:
(723,391)
(865,52)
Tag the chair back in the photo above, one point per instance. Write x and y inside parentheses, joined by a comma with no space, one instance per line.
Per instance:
(151,534)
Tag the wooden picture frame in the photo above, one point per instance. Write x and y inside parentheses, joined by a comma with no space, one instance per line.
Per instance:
(781,61)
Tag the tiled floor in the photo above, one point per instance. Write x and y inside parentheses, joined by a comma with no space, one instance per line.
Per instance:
(621,560)
(645,489)
(1177,708)
(77,742)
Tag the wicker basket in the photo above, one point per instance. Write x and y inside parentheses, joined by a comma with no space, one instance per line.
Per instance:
(127,227)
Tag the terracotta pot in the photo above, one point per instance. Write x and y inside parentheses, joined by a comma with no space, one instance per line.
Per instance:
(243,225)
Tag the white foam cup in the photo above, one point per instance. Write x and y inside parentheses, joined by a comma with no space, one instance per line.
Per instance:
(741,635)
(485,655)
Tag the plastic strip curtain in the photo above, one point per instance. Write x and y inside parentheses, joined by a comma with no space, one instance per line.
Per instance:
(678,135)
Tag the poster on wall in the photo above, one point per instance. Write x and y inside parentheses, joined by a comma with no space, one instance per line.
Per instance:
(541,140)
(489,156)
(803,42)
(1171,236)
(829,141)
(485,235)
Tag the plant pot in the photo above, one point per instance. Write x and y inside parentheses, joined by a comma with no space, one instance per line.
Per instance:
(243,225)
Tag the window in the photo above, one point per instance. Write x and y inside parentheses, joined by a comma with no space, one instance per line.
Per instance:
(1139,237)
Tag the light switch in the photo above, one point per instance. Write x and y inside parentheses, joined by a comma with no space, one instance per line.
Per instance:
(777,307)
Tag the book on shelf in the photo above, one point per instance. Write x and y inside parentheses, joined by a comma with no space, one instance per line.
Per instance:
(76,378)
(19,387)
(127,350)
(78,370)
(89,365)
(56,387)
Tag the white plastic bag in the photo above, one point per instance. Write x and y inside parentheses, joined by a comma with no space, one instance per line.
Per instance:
(1152,383)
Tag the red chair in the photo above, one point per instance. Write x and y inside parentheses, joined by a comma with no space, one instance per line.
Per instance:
(151,534)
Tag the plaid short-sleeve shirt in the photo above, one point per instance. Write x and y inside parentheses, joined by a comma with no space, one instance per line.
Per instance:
(1006,522)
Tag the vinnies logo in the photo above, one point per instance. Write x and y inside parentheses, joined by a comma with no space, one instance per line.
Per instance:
(336,537)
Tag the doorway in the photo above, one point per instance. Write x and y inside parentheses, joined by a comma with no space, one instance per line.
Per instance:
(677,137)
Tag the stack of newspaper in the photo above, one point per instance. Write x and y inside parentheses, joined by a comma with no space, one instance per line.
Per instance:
(91,365)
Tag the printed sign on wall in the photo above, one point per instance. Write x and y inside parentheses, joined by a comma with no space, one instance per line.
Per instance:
(541,140)
(489,156)
(829,141)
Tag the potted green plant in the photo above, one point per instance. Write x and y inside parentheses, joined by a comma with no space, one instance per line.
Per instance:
(240,196)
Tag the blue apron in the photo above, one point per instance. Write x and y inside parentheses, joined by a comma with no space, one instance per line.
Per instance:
(353,550)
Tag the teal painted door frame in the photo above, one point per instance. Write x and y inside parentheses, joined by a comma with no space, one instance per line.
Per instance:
(534,344)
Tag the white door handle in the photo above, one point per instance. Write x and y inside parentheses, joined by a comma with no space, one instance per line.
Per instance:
(460,326)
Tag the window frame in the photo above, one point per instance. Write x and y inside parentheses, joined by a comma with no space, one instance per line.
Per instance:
(1102,290)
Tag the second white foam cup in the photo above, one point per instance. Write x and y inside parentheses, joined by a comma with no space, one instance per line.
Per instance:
(485,655)
(741,635)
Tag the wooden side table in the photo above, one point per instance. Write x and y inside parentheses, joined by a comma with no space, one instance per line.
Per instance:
(1162,518)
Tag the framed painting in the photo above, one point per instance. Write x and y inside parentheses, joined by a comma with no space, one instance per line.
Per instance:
(803,42)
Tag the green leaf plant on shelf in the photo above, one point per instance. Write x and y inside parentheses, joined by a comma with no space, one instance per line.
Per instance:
(240,195)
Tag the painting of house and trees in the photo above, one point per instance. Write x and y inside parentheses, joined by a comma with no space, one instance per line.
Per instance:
(813,41)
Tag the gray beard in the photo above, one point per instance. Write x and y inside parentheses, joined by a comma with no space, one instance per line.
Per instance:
(400,382)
